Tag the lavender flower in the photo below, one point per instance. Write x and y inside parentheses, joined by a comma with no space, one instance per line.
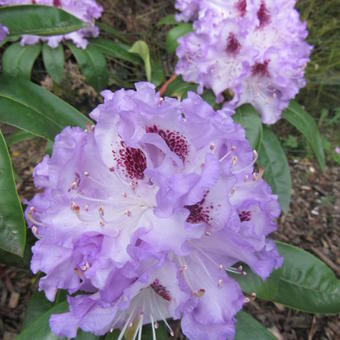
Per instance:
(86,10)
(254,50)
(146,213)
(3,32)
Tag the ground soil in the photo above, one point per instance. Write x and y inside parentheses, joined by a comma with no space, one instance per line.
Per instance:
(312,222)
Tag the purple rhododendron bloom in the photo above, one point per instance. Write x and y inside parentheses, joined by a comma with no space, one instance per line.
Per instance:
(86,10)
(146,213)
(3,32)
(254,49)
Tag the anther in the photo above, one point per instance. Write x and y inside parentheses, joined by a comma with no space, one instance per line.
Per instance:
(86,173)
(34,230)
(101,211)
(124,194)
(199,293)
(32,209)
(156,325)
(253,296)
(86,207)
(208,233)
(101,222)
(234,160)
(233,148)
(172,333)
(212,146)
(220,283)
(221,266)
(111,168)
(127,213)
(75,207)
(246,300)
(183,268)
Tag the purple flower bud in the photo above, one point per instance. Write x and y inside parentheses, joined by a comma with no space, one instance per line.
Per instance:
(147,212)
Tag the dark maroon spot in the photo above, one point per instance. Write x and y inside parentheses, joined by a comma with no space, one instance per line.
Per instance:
(176,142)
(161,290)
(245,215)
(263,15)
(233,45)
(132,160)
(260,69)
(198,212)
(242,7)
(57,3)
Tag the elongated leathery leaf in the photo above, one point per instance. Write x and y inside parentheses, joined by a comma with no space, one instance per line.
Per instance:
(306,125)
(31,108)
(247,116)
(38,20)
(141,48)
(176,32)
(54,61)
(247,328)
(12,222)
(276,169)
(92,64)
(303,282)
(17,60)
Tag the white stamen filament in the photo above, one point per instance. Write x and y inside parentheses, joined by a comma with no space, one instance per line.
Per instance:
(249,165)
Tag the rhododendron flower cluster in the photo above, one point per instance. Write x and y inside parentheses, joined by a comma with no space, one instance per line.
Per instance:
(146,213)
(252,49)
(86,10)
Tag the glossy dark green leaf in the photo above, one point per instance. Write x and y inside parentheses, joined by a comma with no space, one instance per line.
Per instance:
(157,74)
(172,36)
(31,108)
(273,160)
(306,125)
(18,137)
(38,328)
(38,20)
(16,260)
(247,116)
(54,60)
(141,48)
(303,282)
(92,64)
(247,328)
(12,222)
(17,60)
(115,50)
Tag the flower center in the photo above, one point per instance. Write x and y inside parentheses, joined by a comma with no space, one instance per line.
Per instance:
(160,290)
(176,142)
(260,69)
(233,45)
(57,3)
(263,15)
(132,160)
(245,215)
(198,212)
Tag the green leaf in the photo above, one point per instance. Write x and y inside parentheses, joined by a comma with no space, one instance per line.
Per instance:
(38,328)
(168,20)
(172,36)
(17,60)
(115,50)
(18,137)
(54,61)
(19,261)
(31,108)
(12,222)
(247,116)
(112,31)
(276,169)
(141,48)
(38,20)
(157,76)
(92,64)
(303,282)
(247,328)
(306,125)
